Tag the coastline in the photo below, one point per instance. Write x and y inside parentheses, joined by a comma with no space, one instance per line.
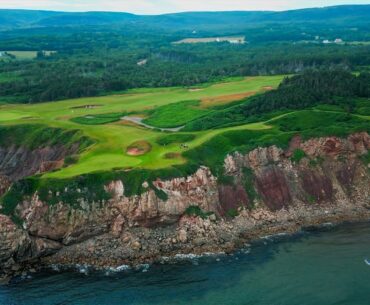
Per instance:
(243,235)
(317,220)
(268,193)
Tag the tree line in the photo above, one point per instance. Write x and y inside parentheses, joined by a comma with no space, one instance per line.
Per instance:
(302,91)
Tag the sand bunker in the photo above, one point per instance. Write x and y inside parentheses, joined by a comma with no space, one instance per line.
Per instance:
(139,148)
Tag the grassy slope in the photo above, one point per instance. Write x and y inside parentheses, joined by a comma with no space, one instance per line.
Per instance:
(94,167)
(113,139)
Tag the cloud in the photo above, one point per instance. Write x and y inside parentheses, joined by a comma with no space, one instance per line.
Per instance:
(165,6)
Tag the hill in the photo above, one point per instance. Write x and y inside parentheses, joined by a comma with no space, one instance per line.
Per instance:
(355,14)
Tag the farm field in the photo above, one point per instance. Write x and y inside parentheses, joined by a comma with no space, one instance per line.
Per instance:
(119,144)
(26,55)
(231,39)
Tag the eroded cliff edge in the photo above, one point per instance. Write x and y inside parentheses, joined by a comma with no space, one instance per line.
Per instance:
(266,190)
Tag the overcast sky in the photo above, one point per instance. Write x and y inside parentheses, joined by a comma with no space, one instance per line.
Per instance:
(166,6)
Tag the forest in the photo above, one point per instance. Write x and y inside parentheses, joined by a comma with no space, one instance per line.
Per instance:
(311,88)
(89,58)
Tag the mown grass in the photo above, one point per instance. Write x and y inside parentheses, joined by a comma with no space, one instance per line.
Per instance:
(107,157)
(112,139)
(98,119)
(174,115)
(208,148)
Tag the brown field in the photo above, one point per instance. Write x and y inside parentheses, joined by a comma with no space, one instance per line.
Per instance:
(172,155)
(224,99)
(238,39)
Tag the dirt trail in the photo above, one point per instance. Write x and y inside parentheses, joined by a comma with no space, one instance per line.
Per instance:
(139,121)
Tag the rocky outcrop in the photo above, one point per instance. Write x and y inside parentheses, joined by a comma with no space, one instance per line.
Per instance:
(17,162)
(266,188)
(330,171)
(5,183)
(70,225)
(14,243)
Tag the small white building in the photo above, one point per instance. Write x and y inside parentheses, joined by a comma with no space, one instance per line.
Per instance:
(338,40)
(142,62)
(326,41)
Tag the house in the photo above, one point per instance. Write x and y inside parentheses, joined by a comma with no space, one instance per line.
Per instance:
(237,41)
(338,40)
(142,62)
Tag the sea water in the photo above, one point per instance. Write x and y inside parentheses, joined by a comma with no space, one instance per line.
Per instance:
(322,267)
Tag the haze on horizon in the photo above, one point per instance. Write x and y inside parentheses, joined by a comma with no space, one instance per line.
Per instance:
(168,6)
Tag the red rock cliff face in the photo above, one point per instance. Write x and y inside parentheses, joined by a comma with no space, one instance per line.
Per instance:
(19,162)
(331,173)
(328,173)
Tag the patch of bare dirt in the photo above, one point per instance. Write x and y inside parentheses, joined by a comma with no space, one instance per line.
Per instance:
(225,99)
(172,155)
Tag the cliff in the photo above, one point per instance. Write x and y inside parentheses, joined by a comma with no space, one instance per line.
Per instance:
(17,162)
(265,190)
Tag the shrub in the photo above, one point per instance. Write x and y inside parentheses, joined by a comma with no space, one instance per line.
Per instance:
(298,155)
(232,213)
(195,210)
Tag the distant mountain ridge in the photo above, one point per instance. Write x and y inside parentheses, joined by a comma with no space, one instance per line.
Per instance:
(356,14)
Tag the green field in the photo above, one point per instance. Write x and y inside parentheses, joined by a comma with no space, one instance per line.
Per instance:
(113,139)
(160,107)
(26,55)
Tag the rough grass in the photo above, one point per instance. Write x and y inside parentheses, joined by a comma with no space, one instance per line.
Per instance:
(175,138)
(37,136)
(98,119)
(314,123)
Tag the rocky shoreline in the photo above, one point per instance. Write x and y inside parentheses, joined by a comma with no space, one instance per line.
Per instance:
(194,235)
(266,191)
(162,246)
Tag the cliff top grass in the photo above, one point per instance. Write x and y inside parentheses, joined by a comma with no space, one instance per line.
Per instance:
(113,137)
(100,120)
(115,149)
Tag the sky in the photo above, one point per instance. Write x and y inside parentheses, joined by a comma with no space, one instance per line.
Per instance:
(169,6)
